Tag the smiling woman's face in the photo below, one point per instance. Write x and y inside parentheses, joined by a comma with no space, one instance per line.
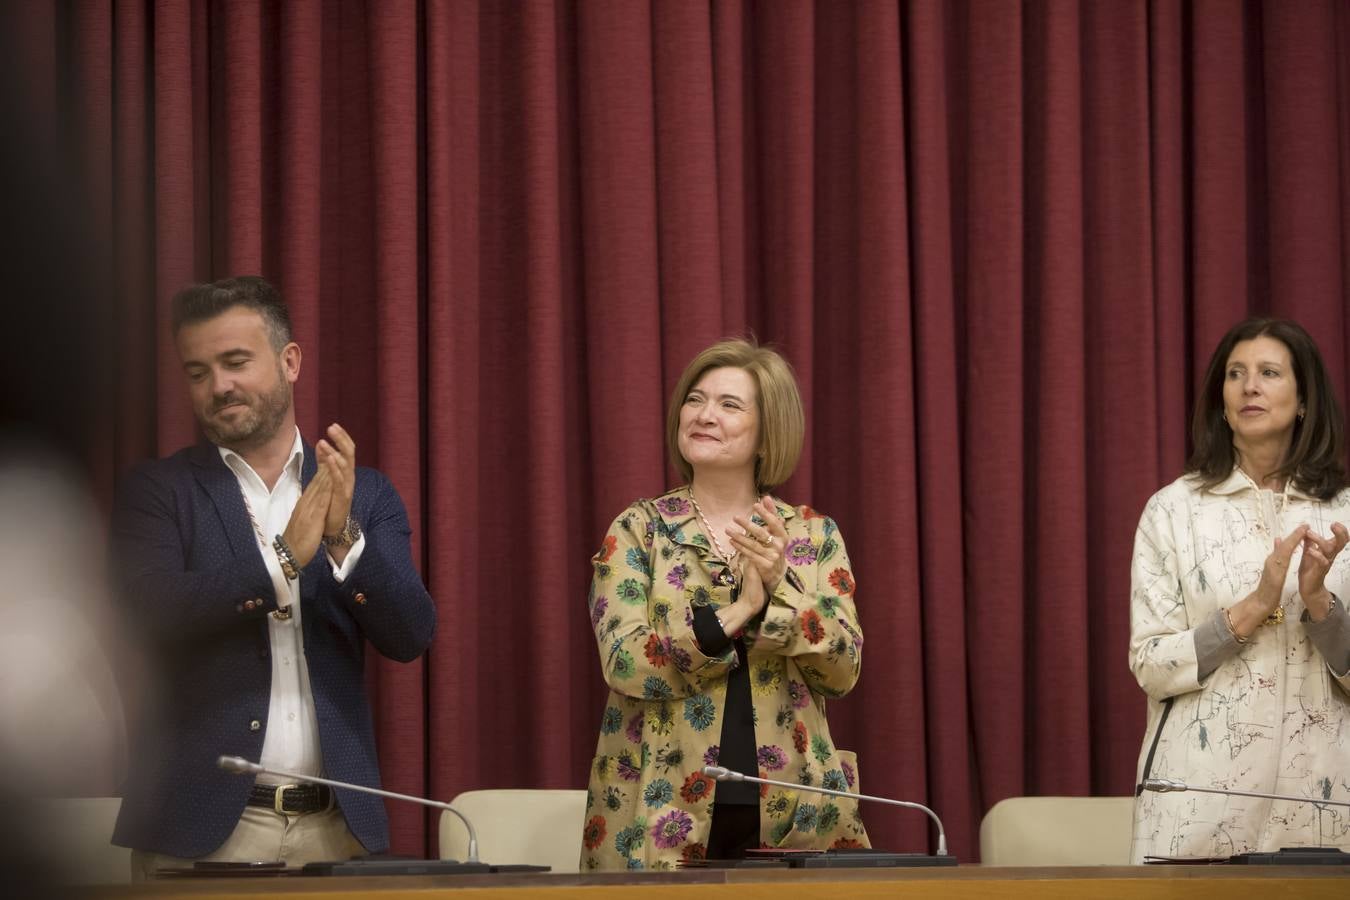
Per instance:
(719,421)
(1260,393)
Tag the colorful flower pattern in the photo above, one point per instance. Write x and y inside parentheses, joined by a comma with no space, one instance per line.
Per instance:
(594,833)
(842,582)
(812,626)
(649,805)
(696,788)
(800,552)
(671,829)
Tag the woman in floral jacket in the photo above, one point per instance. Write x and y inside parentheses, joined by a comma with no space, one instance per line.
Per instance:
(724,620)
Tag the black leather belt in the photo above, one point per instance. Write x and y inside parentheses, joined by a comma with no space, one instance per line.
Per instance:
(291,799)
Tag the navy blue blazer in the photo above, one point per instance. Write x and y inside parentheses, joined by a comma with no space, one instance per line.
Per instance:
(188,559)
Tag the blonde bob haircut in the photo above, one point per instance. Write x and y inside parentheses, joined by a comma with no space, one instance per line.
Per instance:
(782,423)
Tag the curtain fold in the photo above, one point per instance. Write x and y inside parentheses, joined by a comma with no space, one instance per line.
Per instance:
(997,241)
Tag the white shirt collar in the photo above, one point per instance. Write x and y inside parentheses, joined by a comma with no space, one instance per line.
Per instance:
(239,465)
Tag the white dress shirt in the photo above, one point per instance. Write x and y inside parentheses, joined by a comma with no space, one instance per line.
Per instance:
(292,739)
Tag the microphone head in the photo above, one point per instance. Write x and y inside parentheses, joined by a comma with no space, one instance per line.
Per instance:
(237,765)
(1163,785)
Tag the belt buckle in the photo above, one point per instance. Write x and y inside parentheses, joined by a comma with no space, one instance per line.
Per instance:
(278,801)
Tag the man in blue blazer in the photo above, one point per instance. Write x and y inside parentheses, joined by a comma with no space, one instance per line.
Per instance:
(257,567)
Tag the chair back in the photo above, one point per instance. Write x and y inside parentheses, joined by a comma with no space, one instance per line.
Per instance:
(536,827)
(1058,831)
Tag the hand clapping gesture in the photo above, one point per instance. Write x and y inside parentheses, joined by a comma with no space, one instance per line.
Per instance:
(1275,570)
(304,531)
(337,456)
(762,547)
(1248,614)
(323,508)
(1318,555)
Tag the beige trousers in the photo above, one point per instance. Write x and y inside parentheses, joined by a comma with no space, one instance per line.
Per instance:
(265,835)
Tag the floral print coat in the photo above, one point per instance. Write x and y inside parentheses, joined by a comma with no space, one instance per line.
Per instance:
(648,804)
(1274,718)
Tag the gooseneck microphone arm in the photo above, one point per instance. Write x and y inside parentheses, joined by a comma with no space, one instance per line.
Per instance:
(240,766)
(724,774)
(1167,785)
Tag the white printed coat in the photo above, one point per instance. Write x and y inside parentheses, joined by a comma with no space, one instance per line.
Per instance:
(1272,719)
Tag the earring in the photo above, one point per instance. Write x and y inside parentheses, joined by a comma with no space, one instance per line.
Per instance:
(1300,415)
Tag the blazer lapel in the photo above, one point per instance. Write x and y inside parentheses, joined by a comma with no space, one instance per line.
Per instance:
(222,487)
(313,573)
(309,467)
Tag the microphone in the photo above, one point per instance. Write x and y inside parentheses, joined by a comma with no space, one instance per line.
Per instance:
(724,774)
(1167,785)
(237,765)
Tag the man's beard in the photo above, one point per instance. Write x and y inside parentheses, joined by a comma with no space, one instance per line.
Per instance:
(257,425)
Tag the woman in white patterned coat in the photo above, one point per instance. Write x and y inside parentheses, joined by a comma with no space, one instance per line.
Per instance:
(1238,628)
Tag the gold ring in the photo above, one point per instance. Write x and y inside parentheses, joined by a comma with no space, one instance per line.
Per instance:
(767,541)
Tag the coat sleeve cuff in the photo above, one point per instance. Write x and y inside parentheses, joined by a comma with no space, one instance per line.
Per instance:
(1214,643)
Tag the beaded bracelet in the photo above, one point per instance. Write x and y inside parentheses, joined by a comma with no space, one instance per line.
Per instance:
(290,567)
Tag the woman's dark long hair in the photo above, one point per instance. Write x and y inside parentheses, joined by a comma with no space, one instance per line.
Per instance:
(1316,461)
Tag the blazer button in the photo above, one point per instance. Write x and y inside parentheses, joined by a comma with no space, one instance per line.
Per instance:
(255,725)
(239,607)
(360,598)
(249,604)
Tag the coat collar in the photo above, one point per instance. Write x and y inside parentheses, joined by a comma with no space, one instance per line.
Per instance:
(1239,481)
(676,509)
(219,483)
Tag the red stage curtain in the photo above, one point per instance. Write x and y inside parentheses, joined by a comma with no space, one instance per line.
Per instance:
(997,240)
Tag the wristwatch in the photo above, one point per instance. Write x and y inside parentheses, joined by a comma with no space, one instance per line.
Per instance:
(350,534)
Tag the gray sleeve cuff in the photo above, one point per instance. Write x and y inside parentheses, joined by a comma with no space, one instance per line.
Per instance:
(1214,643)
(1331,637)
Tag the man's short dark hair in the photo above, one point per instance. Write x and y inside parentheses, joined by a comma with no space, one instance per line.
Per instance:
(200,302)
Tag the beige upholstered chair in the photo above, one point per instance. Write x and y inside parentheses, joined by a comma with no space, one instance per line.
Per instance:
(537,827)
(1058,831)
(78,833)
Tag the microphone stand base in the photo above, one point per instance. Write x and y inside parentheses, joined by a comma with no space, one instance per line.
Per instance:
(846,859)
(1293,856)
(411,867)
